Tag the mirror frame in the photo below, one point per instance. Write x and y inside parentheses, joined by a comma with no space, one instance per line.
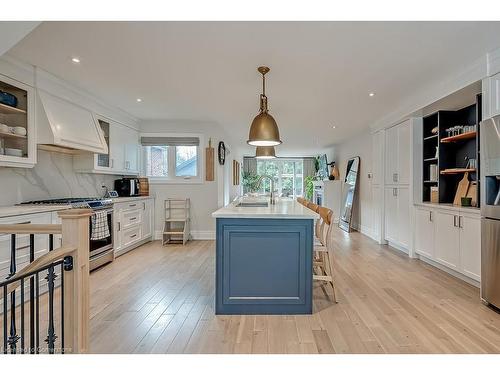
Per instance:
(346,224)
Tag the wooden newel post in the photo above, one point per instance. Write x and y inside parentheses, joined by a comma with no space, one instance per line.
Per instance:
(75,233)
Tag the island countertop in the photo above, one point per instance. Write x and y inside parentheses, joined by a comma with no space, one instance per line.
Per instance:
(285,208)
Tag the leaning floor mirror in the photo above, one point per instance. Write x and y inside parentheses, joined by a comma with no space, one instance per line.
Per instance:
(349,193)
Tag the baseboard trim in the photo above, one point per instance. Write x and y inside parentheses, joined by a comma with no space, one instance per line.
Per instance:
(398,247)
(195,235)
(454,273)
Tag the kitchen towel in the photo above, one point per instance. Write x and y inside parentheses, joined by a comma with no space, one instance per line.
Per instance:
(100,227)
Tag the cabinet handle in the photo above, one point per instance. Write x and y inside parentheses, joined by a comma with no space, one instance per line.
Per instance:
(134,235)
(119,227)
(460,221)
(430,216)
(454,220)
(133,218)
(395,177)
(394,192)
(112,163)
(144,206)
(132,205)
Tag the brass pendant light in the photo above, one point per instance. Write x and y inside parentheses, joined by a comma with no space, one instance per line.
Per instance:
(264,130)
(265,152)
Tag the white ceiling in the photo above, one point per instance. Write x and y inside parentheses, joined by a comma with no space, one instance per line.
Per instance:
(321,72)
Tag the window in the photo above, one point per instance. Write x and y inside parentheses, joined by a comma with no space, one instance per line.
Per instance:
(287,174)
(171,158)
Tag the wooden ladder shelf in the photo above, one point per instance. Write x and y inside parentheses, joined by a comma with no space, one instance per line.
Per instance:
(176,228)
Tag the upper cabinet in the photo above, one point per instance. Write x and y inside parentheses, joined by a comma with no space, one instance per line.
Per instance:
(397,154)
(122,156)
(17,128)
(491,96)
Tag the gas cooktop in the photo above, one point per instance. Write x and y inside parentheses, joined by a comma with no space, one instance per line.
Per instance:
(91,202)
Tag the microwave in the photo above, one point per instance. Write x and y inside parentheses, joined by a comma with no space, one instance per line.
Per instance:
(127,187)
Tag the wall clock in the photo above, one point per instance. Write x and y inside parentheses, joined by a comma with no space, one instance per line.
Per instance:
(222,153)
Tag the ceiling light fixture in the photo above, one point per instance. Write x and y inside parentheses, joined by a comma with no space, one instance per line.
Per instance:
(76,60)
(334,127)
(265,152)
(139,100)
(371,94)
(264,130)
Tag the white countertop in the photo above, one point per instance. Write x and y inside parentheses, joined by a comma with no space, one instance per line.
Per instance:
(449,206)
(129,199)
(31,209)
(285,208)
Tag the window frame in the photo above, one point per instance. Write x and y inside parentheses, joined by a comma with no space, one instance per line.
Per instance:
(279,184)
(171,178)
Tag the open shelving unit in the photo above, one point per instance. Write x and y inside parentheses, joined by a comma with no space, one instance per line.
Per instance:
(176,228)
(450,153)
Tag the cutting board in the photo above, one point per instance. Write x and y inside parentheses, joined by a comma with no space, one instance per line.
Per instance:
(462,188)
(209,162)
(472,193)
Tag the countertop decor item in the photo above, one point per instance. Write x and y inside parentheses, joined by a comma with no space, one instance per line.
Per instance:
(466,201)
(265,152)
(221,153)
(463,187)
(143,186)
(334,171)
(264,130)
(209,162)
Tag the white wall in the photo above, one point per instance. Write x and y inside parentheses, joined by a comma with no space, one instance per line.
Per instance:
(206,197)
(361,145)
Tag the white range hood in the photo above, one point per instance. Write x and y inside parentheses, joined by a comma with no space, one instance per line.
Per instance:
(67,127)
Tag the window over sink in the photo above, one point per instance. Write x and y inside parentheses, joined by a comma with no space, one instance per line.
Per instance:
(172,158)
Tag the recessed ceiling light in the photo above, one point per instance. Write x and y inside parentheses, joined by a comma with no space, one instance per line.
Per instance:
(76,60)
(139,100)
(334,127)
(372,94)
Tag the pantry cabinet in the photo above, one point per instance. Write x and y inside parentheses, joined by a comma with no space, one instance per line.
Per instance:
(397,216)
(133,224)
(450,236)
(123,151)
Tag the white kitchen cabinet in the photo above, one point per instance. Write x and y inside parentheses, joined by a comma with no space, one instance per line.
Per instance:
(391,155)
(470,245)
(122,157)
(133,224)
(378,157)
(450,236)
(377,199)
(397,217)
(447,240)
(424,232)
(491,96)
(391,214)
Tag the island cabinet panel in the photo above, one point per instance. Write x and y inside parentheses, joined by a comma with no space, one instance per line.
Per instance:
(264,266)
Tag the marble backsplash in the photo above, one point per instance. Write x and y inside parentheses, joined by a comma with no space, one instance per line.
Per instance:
(52,177)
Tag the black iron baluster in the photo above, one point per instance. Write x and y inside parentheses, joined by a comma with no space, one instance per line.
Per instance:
(37,313)
(22,315)
(51,336)
(5,319)
(62,306)
(32,297)
(13,337)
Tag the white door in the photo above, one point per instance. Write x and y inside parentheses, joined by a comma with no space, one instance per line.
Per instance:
(470,246)
(391,214)
(391,155)
(377,207)
(424,232)
(147,218)
(404,156)
(447,241)
(403,223)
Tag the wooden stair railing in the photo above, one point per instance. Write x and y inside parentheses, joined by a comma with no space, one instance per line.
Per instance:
(73,258)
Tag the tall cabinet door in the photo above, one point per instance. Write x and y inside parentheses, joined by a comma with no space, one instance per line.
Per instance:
(424,232)
(404,153)
(447,241)
(377,157)
(470,246)
(147,218)
(118,140)
(403,223)
(391,214)
(391,155)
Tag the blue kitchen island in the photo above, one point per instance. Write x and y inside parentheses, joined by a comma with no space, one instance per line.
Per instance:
(264,257)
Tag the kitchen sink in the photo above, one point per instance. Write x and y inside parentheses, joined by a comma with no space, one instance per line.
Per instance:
(252,204)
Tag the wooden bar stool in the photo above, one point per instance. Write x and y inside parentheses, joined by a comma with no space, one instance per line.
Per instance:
(322,265)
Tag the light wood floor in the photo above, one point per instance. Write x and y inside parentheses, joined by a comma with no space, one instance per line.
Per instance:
(160,300)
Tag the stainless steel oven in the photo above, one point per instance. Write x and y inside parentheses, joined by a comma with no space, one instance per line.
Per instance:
(490,210)
(101,251)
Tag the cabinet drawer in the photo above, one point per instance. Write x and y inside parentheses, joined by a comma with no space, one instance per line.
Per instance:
(130,236)
(130,218)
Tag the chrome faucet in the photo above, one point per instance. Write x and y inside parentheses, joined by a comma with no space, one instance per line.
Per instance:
(259,182)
